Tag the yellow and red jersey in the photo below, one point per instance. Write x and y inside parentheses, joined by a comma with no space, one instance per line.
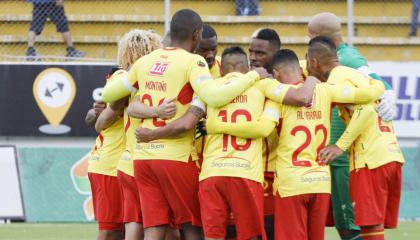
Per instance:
(163,74)
(215,70)
(377,144)
(304,132)
(216,73)
(125,163)
(108,148)
(226,155)
(270,151)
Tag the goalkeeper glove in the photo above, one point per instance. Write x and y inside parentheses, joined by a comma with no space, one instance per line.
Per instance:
(387,106)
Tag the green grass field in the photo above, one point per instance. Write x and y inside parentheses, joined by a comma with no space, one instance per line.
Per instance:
(77,231)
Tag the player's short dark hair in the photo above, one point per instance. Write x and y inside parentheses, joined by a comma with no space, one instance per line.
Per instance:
(269,35)
(235,50)
(285,56)
(324,40)
(208,31)
(323,48)
(184,23)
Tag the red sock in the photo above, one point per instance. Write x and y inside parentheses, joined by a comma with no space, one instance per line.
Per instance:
(372,233)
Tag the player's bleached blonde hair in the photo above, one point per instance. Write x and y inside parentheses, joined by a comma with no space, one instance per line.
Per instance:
(135,44)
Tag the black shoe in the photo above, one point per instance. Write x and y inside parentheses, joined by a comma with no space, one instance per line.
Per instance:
(72,52)
(31,54)
(412,34)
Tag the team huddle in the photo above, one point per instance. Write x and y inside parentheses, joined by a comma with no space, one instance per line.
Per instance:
(193,146)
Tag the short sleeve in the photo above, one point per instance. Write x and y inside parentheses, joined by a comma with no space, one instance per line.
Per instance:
(197,102)
(198,72)
(340,93)
(273,89)
(272,111)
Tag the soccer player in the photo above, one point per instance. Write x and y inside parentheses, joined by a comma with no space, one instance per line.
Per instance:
(328,24)
(102,170)
(208,50)
(235,165)
(265,42)
(131,47)
(164,171)
(375,159)
(302,184)
(247,207)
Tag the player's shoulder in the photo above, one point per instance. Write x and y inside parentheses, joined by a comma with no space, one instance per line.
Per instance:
(230,77)
(350,56)
(264,83)
(118,74)
(325,89)
(151,57)
(342,73)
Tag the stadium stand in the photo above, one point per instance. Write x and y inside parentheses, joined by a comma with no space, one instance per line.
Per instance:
(381,27)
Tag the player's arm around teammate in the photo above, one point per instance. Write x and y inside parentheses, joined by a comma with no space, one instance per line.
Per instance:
(110,114)
(231,177)
(189,120)
(93,113)
(133,45)
(102,170)
(139,110)
(360,116)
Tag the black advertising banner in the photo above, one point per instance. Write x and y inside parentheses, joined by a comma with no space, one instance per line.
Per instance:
(39,99)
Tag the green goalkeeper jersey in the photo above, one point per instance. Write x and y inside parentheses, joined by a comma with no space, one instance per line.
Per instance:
(349,57)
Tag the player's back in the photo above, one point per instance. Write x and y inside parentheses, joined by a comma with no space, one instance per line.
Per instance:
(164,74)
(130,124)
(108,148)
(377,144)
(304,132)
(369,148)
(226,155)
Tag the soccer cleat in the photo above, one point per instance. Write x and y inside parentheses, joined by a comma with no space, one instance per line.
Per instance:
(31,54)
(72,52)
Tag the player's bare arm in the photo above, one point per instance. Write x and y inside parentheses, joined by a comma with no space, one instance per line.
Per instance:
(173,129)
(110,114)
(357,125)
(90,118)
(165,111)
(93,114)
(302,95)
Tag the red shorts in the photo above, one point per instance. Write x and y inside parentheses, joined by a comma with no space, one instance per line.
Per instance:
(132,207)
(376,195)
(168,192)
(268,193)
(219,196)
(302,216)
(107,201)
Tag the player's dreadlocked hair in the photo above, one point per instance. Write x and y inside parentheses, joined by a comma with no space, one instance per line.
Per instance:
(135,44)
